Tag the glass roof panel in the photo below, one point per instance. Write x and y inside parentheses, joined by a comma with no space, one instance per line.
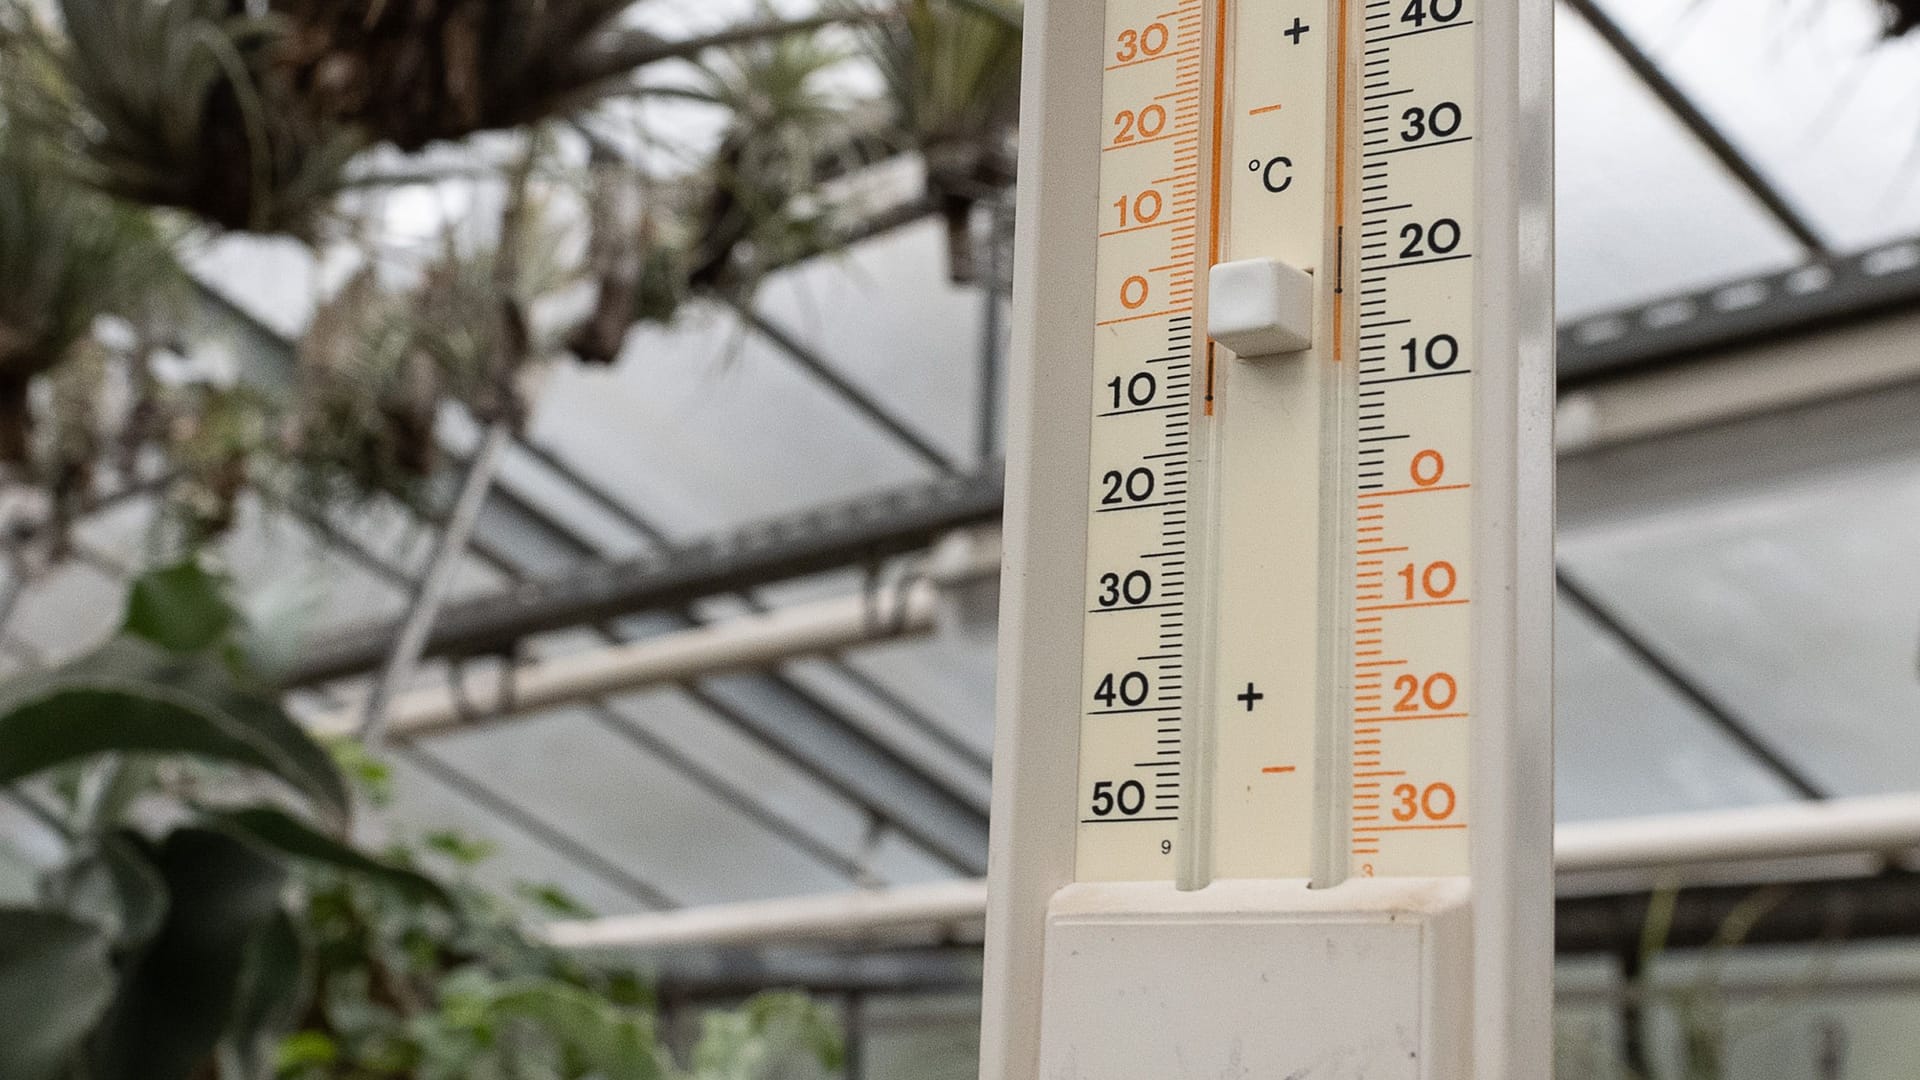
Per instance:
(1642,209)
(638,813)
(674,719)
(65,611)
(935,747)
(887,315)
(1796,606)
(702,426)
(1626,745)
(949,677)
(424,804)
(1810,93)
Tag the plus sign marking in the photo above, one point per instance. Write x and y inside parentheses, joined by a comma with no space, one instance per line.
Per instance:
(1249,696)
(1297,30)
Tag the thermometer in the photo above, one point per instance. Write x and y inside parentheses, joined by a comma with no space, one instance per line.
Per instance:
(1274,782)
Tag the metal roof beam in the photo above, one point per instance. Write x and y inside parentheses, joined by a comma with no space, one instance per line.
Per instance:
(846,534)
(807,733)
(958,838)
(1823,294)
(839,663)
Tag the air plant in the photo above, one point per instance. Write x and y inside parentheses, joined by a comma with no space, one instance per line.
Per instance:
(180,103)
(638,269)
(751,206)
(214,437)
(70,436)
(413,73)
(367,398)
(68,258)
(378,362)
(952,70)
(759,210)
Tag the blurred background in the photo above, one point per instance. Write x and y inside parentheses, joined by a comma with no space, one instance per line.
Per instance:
(498,535)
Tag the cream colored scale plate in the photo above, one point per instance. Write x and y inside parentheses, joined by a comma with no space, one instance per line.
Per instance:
(1279,548)
(1134,761)
(1412,439)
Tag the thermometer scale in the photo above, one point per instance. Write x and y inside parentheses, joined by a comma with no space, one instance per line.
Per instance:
(1274,788)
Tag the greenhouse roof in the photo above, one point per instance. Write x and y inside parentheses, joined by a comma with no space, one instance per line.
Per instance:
(1726,182)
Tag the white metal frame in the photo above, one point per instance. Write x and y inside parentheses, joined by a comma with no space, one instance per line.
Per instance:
(1512,848)
(1032,832)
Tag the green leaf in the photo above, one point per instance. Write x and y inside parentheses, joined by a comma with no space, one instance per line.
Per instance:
(180,995)
(553,900)
(55,980)
(133,697)
(370,775)
(1007,14)
(116,887)
(768,1036)
(273,991)
(181,608)
(462,849)
(306,1049)
(288,835)
(611,1042)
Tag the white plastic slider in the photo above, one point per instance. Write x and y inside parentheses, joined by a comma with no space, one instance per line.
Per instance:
(1260,307)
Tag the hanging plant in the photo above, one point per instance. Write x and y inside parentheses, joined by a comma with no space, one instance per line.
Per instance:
(212,440)
(635,256)
(248,116)
(413,73)
(952,71)
(179,103)
(378,362)
(68,257)
(753,206)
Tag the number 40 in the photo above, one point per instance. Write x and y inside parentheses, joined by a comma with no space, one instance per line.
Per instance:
(1441,11)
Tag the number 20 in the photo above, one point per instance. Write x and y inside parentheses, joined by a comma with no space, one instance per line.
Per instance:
(1149,123)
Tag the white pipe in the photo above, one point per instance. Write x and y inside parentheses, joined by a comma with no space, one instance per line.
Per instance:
(1878,826)
(1812,980)
(376,716)
(745,643)
(835,916)
(749,642)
